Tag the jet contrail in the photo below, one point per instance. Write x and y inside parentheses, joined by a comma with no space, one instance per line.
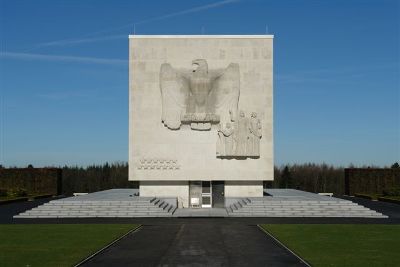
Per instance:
(76,41)
(62,58)
(187,11)
(88,37)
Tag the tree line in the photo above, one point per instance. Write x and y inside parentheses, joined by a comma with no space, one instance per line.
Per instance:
(309,177)
(95,178)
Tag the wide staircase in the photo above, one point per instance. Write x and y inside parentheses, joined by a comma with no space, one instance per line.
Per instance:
(71,208)
(268,207)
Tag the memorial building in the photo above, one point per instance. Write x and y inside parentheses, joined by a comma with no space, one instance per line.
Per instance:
(201,116)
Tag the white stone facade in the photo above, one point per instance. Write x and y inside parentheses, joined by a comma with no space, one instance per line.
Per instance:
(164,160)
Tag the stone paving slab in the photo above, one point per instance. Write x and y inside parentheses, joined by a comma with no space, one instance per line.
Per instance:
(201,212)
(110,195)
(298,195)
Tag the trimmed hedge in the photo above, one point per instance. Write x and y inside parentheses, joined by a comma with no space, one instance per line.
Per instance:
(21,182)
(371,180)
(95,178)
(316,178)
(364,196)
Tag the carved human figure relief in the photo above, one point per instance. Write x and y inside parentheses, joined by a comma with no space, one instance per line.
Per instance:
(199,97)
(255,130)
(242,134)
(240,138)
(225,143)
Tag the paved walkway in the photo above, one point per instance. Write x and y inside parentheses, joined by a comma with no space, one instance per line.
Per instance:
(200,243)
(201,212)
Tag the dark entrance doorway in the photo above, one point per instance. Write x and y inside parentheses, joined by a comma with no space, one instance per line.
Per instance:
(218,194)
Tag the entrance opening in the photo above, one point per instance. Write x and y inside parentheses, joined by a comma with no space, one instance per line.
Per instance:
(195,194)
(206,194)
(218,194)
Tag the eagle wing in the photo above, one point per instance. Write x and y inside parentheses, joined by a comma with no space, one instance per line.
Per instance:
(225,93)
(174,93)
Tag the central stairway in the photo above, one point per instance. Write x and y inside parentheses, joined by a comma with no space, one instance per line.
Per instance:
(294,203)
(87,207)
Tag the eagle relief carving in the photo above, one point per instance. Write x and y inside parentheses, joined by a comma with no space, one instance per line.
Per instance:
(201,97)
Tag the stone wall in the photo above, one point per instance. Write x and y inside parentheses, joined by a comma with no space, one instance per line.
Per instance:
(166,189)
(243,188)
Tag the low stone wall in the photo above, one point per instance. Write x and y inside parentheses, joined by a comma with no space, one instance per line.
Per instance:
(370,181)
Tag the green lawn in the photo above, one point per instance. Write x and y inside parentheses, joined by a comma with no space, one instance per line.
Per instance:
(341,245)
(54,244)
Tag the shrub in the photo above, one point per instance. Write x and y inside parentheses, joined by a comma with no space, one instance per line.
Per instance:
(3,192)
(21,192)
(393,191)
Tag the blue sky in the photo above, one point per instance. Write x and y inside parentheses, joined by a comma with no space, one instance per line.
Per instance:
(64,75)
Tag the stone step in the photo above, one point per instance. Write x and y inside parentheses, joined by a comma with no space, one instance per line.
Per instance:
(147,207)
(309,215)
(272,203)
(98,208)
(302,208)
(92,212)
(302,202)
(307,212)
(99,203)
(103,201)
(304,211)
(90,215)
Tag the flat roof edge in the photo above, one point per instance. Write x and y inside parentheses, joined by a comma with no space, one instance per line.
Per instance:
(266,36)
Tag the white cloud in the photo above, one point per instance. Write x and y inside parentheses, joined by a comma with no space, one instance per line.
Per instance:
(61,58)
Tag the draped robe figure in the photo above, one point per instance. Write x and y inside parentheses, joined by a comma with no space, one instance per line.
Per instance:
(242,134)
(226,143)
(255,130)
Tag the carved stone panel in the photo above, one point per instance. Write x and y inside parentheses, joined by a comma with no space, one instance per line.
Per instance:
(240,138)
(200,96)
(157,164)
